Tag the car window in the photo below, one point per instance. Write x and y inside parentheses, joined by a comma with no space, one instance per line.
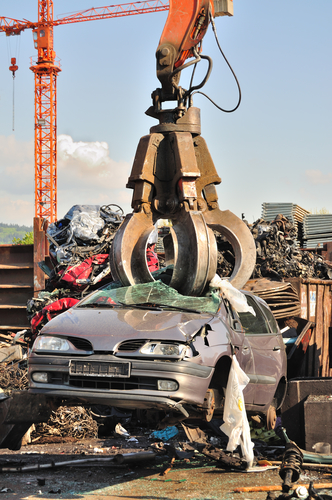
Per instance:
(233,318)
(253,323)
(153,293)
(271,319)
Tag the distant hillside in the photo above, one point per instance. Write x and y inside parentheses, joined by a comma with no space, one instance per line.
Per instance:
(10,231)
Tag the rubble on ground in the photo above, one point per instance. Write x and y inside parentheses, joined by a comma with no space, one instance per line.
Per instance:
(75,422)
(13,377)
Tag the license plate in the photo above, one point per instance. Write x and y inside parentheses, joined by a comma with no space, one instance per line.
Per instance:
(99,368)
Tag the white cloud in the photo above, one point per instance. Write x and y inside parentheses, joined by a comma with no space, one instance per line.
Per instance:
(88,164)
(16,211)
(318,177)
(16,166)
(92,154)
(86,175)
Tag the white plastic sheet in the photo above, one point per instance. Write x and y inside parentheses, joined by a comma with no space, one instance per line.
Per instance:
(236,298)
(236,425)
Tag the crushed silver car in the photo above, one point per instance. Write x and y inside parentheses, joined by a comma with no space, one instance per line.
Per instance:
(148,347)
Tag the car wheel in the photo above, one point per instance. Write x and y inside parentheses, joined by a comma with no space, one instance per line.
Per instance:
(271,418)
(209,405)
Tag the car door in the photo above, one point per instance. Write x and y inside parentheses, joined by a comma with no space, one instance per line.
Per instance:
(243,352)
(265,341)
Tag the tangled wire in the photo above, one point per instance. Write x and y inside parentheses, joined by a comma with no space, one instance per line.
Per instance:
(76,422)
(13,378)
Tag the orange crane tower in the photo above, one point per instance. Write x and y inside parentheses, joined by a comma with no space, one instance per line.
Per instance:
(45,70)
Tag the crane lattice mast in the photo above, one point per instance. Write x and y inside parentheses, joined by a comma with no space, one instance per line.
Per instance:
(45,70)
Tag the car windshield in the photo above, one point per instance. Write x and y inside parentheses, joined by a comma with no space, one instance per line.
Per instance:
(154,294)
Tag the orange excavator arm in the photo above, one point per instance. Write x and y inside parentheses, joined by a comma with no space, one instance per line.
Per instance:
(185,27)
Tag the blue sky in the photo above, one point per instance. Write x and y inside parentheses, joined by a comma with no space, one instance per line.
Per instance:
(276,147)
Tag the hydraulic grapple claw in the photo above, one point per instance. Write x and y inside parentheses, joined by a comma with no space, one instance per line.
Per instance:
(128,251)
(239,236)
(174,178)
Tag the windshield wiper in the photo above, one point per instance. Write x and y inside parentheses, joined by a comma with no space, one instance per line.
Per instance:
(96,305)
(169,306)
(143,305)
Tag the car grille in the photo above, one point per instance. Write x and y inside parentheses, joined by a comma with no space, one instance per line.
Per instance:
(128,384)
(58,378)
(131,345)
(82,344)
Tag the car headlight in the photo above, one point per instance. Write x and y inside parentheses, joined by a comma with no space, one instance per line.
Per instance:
(44,343)
(163,349)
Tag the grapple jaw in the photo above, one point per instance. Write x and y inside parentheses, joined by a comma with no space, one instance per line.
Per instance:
(174,178)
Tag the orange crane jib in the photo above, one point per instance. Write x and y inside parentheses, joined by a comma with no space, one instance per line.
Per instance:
(45,71)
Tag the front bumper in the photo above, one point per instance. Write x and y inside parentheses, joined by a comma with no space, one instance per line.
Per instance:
(139,390)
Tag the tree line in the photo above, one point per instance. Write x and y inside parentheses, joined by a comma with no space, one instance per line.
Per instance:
(10,232)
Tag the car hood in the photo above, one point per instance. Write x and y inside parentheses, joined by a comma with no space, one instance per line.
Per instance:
(106,328)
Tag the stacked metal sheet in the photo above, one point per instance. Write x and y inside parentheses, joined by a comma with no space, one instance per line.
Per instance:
(293,212)
(317,230)
(281,297)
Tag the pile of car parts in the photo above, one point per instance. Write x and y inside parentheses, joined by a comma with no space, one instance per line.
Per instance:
(294,213)
(74,422)
(278,254)
(79,253)
(80,244)
(85,231)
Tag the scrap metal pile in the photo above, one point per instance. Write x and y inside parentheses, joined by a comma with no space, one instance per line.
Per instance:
(278,254)
(79,252)
(74,422)
(84,235)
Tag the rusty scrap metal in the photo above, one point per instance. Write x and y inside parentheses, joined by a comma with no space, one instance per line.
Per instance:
(281,297)
(73,421)
(247,489)
(290,468)
(101,461)
(85,231)
(194,434)
(199,440)
(13,378)
(278,254)
(224,458)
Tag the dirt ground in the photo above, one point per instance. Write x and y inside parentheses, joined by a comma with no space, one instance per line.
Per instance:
(197,478)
